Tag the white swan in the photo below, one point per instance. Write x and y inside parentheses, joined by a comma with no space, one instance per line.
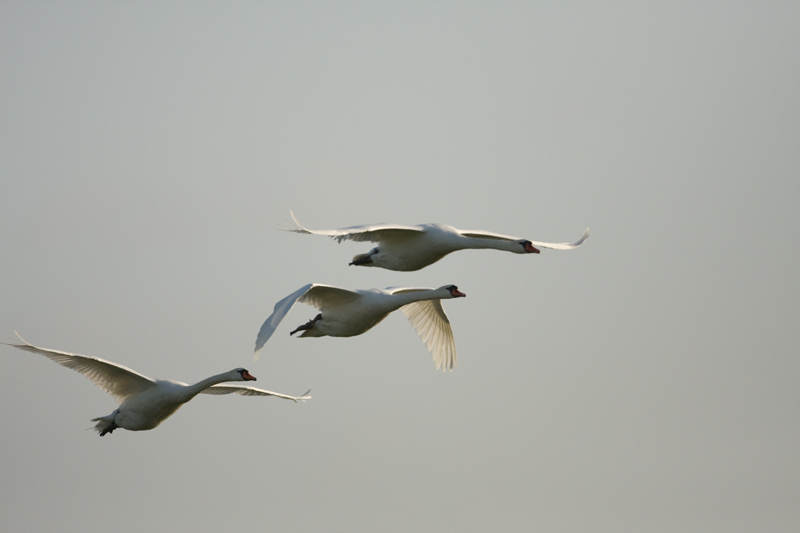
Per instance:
(143,402)
(345,313)
(407,248)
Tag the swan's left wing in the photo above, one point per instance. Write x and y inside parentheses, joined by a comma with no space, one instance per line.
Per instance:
(281,309)
(314,294)
(117,380)
(252,391)
(433,327)
(551,245)
(368,233)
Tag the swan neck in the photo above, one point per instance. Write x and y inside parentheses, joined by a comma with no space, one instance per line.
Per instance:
(200,386)
(417,296)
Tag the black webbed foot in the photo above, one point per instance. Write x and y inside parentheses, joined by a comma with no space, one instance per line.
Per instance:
(109,429)
(363,259)
(308,325)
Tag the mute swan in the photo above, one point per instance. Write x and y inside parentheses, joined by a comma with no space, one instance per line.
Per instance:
(345,313)
(143,402)
(407,248)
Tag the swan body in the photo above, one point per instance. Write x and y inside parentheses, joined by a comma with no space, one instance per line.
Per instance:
(408,248)
(345,313)
(144,402)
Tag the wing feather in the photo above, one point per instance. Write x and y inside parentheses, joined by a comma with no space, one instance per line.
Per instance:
(280,310)
(433,327)
(324,296)
(369,232)
(477,234)
(117,380)
(252,391)
(563,245)
(313,294)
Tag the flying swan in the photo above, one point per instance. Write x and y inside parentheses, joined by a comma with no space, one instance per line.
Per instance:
(345,313)
(143,402)
(407,248)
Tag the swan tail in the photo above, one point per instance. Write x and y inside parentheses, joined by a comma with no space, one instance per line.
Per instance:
(105,424)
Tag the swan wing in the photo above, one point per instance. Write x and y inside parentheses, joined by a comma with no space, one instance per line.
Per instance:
(563,245)
(117,380)
(369,233)
(252,391)
(281,309)
(552,245)
(433,327)
(313,294)
(325,296)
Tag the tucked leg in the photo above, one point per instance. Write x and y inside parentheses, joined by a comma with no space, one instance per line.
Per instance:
(363,259)
(308,325)
(109,429)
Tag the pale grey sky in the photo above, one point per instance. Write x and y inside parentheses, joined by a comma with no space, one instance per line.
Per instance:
(647,381)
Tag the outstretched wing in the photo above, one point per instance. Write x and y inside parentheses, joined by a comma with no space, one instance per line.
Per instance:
(369,233)
(117,380)
(324,296)
(563,245)
(433,327)
(252,391)
(551,245)
(313,294)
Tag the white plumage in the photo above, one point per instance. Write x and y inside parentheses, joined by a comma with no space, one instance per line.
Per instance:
(407,248)
(144,402)
(345,313)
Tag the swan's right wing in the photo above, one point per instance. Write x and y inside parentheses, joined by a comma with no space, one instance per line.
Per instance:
(252,391)
(369,232)
(563,245)
(476,234)
(431,323)
(313,294)
(117,380)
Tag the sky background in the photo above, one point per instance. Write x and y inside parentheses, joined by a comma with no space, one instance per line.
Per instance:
(647,381)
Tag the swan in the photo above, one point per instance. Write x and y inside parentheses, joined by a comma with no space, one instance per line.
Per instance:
(345,313)
(143,402)
(408,248)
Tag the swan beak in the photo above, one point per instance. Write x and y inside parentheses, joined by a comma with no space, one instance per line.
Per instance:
(248,376)
(457,294)
(531,249)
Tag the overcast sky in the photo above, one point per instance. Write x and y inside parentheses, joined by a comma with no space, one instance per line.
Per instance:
(647,381)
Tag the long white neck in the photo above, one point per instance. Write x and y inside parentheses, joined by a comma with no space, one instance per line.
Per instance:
(406,298)
(200,386)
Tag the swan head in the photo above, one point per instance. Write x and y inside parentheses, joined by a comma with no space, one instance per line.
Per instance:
(527,247)
(454,292)
(244,375)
